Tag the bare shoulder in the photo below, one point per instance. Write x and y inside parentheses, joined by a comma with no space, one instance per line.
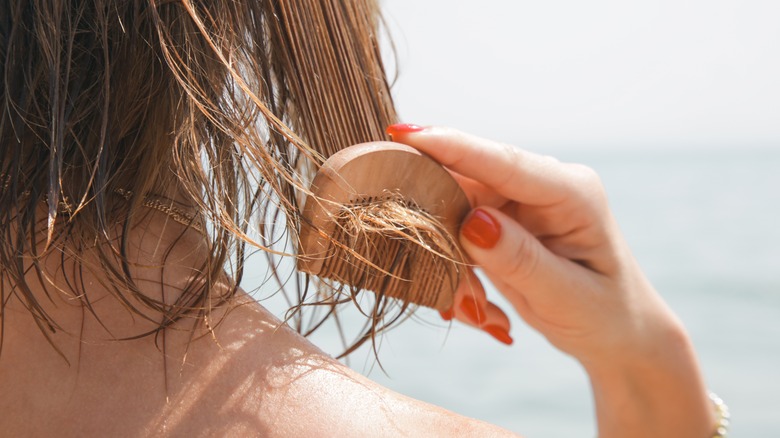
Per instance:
(263,379)
(253,377)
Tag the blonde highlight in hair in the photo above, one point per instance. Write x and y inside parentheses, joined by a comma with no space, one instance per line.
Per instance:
(228,104)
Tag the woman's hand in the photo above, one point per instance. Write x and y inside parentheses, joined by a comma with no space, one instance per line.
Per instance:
(542,232)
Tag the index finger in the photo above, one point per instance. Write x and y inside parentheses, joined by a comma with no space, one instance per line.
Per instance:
(516,174)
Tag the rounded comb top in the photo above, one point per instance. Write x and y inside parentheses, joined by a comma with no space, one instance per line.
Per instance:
(418,207)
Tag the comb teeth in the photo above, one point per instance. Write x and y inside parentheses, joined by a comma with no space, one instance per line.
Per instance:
(383,217)
(389,263)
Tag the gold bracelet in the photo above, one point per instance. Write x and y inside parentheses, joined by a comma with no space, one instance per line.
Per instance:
(723,416)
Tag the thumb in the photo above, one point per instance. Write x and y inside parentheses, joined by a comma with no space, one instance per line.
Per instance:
(512,256)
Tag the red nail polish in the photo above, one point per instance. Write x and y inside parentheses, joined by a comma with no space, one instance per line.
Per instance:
(499,333)
(471,310)
(481,229)
(448,314)
(403,128)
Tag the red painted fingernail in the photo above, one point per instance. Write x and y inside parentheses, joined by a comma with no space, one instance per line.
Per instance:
(472,311)
(448,314)
(403,128)
(481,229)
(500,333)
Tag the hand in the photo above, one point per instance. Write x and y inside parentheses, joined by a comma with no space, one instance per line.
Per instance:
(543,234)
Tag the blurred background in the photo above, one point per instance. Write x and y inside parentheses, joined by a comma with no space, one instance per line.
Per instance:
(676,103)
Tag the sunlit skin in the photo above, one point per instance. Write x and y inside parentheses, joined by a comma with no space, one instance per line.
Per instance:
(251,376)
(546,239)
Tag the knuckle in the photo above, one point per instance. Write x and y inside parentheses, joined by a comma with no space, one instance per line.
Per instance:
(524,261)
(587,181)
(585,173)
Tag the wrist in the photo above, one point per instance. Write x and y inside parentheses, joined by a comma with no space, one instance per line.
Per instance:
(651,344)
(659,393)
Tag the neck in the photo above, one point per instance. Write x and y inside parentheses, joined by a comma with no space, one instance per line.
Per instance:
(89,307)
(142,387)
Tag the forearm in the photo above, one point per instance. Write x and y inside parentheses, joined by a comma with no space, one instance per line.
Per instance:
(543,233)
(659,395)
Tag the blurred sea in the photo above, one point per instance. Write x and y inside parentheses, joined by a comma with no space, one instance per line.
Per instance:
(705,226)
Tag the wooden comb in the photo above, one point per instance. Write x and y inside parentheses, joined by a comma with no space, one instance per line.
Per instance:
(425,272)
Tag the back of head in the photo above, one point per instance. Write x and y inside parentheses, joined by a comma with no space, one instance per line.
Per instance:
(135,94)
(223,106)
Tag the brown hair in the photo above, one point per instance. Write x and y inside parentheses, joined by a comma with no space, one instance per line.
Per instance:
(232,103)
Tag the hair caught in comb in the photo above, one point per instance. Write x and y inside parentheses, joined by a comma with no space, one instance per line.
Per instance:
(229,106)
(389,243)
(382,217)
(395,249)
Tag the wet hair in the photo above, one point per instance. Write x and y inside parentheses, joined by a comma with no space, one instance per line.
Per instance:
(106,104)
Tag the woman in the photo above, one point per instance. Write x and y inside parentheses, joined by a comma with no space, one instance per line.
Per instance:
(129,140)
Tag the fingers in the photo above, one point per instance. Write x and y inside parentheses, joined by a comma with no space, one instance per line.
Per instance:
(478,193)
(470,305)
(508,252)
(516,174)
(542,229)
(563,205)
(497,324)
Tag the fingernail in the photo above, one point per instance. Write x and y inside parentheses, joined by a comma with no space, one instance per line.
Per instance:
(403,128)
(481,229)
(448,314)
(471,310)
(499,333)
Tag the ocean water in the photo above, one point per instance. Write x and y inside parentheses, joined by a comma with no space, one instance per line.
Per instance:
(705,226)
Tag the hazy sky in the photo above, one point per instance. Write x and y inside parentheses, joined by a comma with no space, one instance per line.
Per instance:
(599,72)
